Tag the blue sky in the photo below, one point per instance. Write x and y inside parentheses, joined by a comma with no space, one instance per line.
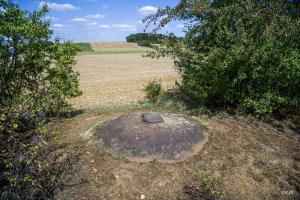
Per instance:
(100,20)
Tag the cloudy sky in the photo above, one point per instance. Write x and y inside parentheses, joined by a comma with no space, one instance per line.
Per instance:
(100,20)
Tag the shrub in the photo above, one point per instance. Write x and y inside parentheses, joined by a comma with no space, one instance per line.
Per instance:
(239,54)
(144,43)
(36,80)
(153,90)
(33,69)
(84,46)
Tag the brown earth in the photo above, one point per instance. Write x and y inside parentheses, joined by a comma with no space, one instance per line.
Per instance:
(248,159)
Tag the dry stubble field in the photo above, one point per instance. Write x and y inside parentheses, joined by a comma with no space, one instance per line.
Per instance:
(117,46)
(115,78)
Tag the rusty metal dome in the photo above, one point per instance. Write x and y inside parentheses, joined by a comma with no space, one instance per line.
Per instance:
(143,137)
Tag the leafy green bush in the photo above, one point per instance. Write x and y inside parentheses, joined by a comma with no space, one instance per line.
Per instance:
(84,46)
(36,80)
(144,43)
(153,90)
(31,67)
(240,54)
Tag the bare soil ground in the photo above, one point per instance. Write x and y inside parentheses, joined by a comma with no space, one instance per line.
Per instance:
(249,159)
(117,79)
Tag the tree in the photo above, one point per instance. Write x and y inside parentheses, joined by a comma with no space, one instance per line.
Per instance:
(36,80)
(31,65)
(145,39)
(243,54)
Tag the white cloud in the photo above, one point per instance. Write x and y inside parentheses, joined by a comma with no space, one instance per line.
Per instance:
(89,18)
(59,7)
(96,16)
(124,27)
(104,26)
(92,24)
(147,10)
(58,26)
(180,26)
(79,19)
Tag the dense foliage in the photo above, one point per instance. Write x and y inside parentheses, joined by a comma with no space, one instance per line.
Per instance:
(153,89)
(36,80)
(243,54)
(144,39)
(84,46)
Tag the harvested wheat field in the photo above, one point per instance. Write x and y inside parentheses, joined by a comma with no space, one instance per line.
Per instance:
(115,78)
(116,46)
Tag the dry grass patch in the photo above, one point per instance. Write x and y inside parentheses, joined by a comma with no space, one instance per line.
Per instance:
(117,46)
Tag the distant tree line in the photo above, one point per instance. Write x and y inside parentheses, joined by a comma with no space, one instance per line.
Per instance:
(145,39)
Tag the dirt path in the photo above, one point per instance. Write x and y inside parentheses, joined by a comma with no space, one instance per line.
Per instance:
(250,159)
